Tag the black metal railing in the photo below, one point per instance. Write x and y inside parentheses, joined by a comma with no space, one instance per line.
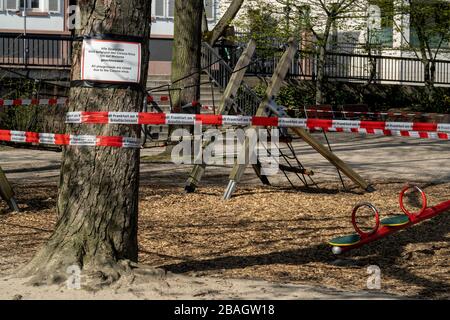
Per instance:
(50,51)
(35,50)
(357,67)
(220,71)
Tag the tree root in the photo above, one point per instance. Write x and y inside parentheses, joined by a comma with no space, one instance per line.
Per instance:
(48,269)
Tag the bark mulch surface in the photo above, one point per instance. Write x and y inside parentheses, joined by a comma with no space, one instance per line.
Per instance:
(266,233)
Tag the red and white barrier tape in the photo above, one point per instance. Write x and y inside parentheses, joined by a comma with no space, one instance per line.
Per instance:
(400,133)
(220,120)
(68,139)
(33,102)
(209,108)
(60,101)
(392,114)
(158,99)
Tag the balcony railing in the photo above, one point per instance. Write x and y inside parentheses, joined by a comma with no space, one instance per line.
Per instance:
(33,50)
(356,67)
(54,51)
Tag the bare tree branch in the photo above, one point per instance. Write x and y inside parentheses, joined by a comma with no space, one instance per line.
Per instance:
(214,35)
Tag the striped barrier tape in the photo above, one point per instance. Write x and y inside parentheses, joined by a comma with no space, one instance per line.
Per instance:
(391,114)
(223,120)
(158,99)
(33,102)
(63,101)
(126,142)
(400,133)
(68,139)
(60,101)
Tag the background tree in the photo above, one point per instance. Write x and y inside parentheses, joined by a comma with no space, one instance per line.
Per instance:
(98,192)
(314,20)
(320,18)
(426,36)
(227,18)
(188,17)
(190,29)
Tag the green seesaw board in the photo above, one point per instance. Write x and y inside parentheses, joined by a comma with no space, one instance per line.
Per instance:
(345,241)
(395,221)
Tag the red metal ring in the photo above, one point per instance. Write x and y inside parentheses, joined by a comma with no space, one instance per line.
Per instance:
(377,219)
(424,201)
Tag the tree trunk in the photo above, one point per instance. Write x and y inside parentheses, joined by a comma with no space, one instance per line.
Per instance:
(214,35)
(186,52)
(320,80)
(429,78)
(205,28)
(98,194)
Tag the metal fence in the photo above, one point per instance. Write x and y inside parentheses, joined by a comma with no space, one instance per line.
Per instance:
(356,67)
(216,63)
(50,51)
(35,50)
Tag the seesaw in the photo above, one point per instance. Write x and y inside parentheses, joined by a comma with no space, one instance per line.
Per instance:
(386,226)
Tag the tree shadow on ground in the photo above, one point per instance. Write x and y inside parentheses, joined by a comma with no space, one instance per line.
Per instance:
(386,253)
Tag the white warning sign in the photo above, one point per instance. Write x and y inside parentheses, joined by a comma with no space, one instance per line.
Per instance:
(111,61)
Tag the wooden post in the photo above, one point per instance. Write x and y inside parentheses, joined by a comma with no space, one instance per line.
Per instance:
(272,90)
(335,160)
(225,107)
(6,192)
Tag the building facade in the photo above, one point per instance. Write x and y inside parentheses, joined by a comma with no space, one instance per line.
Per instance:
(162,32)
(41,16)
(56,18)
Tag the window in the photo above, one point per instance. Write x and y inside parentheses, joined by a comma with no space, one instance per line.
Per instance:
(12,5)
(383,34)
(432,19)
(54,6)
(158,8)
(166,8)
(34,5)
(209,8)
(171,8)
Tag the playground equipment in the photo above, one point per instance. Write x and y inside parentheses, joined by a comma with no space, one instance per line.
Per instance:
(264,113)
(266,108)
(6,192)
(387,226)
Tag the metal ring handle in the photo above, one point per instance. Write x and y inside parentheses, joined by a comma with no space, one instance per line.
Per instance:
(402,205)
(377,219)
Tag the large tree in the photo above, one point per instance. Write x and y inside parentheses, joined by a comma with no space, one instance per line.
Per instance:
(186,52)
(314,20)
(320,18)
(191,28)
(98,193)
(426,36)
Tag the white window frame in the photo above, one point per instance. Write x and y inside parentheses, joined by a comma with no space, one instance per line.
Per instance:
(214,11)
(15,9)
(28,2)
(1,5)
(166,10)
(166,13)
(154,9)
(47,7)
